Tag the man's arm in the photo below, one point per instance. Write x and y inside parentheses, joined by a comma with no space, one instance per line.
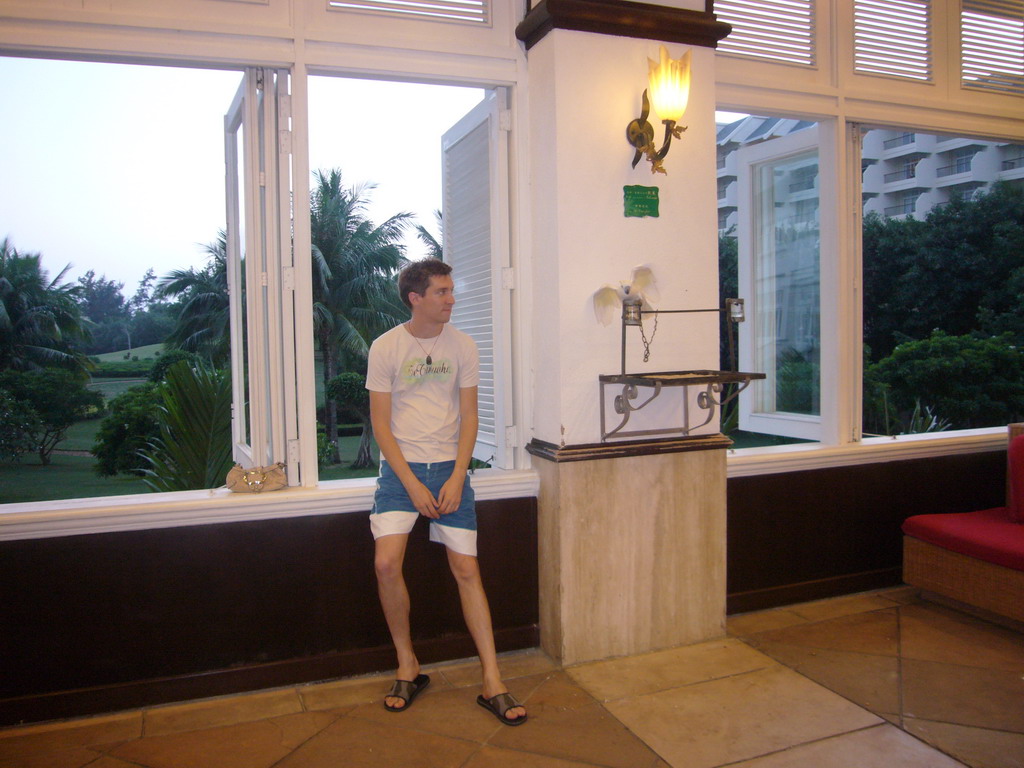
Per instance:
(380,418)
(450,497)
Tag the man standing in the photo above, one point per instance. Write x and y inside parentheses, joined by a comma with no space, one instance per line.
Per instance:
(422,378)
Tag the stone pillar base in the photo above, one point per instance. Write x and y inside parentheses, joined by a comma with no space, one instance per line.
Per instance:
(632,546)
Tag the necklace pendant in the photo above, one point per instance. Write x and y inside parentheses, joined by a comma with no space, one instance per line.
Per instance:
(429,361)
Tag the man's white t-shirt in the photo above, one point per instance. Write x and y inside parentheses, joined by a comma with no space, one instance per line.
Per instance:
(424,398)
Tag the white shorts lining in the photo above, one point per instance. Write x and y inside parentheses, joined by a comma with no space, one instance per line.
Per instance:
(461,540)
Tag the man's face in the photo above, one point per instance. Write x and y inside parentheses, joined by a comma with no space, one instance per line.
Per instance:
(436,304)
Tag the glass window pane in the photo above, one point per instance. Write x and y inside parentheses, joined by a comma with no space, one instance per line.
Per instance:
(132,157)
(943,321)
(787,338)
(369,211)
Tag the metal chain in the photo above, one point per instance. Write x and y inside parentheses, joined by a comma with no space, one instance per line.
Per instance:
(643,337)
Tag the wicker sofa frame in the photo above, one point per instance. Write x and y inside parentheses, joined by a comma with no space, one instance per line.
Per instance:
(969,581)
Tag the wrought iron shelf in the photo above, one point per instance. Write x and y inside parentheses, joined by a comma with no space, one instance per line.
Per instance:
(708,400)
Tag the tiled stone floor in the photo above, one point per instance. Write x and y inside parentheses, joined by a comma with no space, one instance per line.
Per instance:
(869,681)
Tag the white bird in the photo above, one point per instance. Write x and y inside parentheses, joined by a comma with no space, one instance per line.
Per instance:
(641,286)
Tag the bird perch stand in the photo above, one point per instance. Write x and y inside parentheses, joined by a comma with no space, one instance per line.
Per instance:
(717,387)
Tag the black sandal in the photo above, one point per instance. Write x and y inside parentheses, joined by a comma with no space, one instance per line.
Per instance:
(499,705)
(407,691)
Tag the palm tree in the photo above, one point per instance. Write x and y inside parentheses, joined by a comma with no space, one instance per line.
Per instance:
(193,449)
(433,245)
(203,324)
(40,321)
(355,298)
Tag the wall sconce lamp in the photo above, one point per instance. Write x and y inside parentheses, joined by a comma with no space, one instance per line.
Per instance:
(669,89)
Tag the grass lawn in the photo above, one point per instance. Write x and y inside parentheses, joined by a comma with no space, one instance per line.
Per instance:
(65,477)
(68,477)
(111,388)
(148,352)
(347,447)
(80,436)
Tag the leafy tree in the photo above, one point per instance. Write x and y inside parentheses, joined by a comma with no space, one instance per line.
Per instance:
(193,448)
(104,309)
(890,252)
(40,320)
(118,323)
(349,391)
(967,381)
(100,299)
(131,424)
(203,323)
(355,298)
(959,270)
(144,293)
(728,288)
(19,425)
(154,324)
(59,398)
(970,249)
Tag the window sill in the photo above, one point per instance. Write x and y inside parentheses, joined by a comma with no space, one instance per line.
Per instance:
(75,517)
(795,458)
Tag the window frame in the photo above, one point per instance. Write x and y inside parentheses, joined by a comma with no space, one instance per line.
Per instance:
(849,99)
(487,58)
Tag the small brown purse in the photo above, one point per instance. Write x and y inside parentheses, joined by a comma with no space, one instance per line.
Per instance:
(256,479)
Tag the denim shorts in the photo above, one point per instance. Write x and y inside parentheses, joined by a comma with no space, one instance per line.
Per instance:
(394,513)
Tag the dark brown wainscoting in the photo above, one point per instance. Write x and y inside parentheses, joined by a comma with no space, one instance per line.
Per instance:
(103,622)
(801,536)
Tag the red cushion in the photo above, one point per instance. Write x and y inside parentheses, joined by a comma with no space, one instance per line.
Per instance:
(1015,468)
(988,535)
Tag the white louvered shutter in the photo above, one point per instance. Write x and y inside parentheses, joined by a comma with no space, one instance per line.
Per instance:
(893,38)
(475,243)
(778,30)
(992,45)
(466,11)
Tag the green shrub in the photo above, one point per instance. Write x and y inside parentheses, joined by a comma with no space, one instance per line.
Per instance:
(131,369)
(964,381)
(159,369)
(19,425)
(324,449)
(131,424)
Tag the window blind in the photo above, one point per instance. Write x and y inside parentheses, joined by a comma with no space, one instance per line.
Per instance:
(468,11)
(992,45)
(779,30)
(893,37)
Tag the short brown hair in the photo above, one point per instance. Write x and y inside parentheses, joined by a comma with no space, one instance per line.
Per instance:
(415,277)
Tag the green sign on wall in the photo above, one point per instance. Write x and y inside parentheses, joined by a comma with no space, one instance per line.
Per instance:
(640,201)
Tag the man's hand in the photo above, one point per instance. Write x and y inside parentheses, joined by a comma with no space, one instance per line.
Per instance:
(450,497)
(424,500)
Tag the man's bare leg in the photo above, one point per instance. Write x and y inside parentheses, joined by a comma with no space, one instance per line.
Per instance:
(394,599)
(477,613)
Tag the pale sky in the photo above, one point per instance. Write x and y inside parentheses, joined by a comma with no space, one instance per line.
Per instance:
(121,168)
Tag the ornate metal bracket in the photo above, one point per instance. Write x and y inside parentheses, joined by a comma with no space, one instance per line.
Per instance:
(708,400)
